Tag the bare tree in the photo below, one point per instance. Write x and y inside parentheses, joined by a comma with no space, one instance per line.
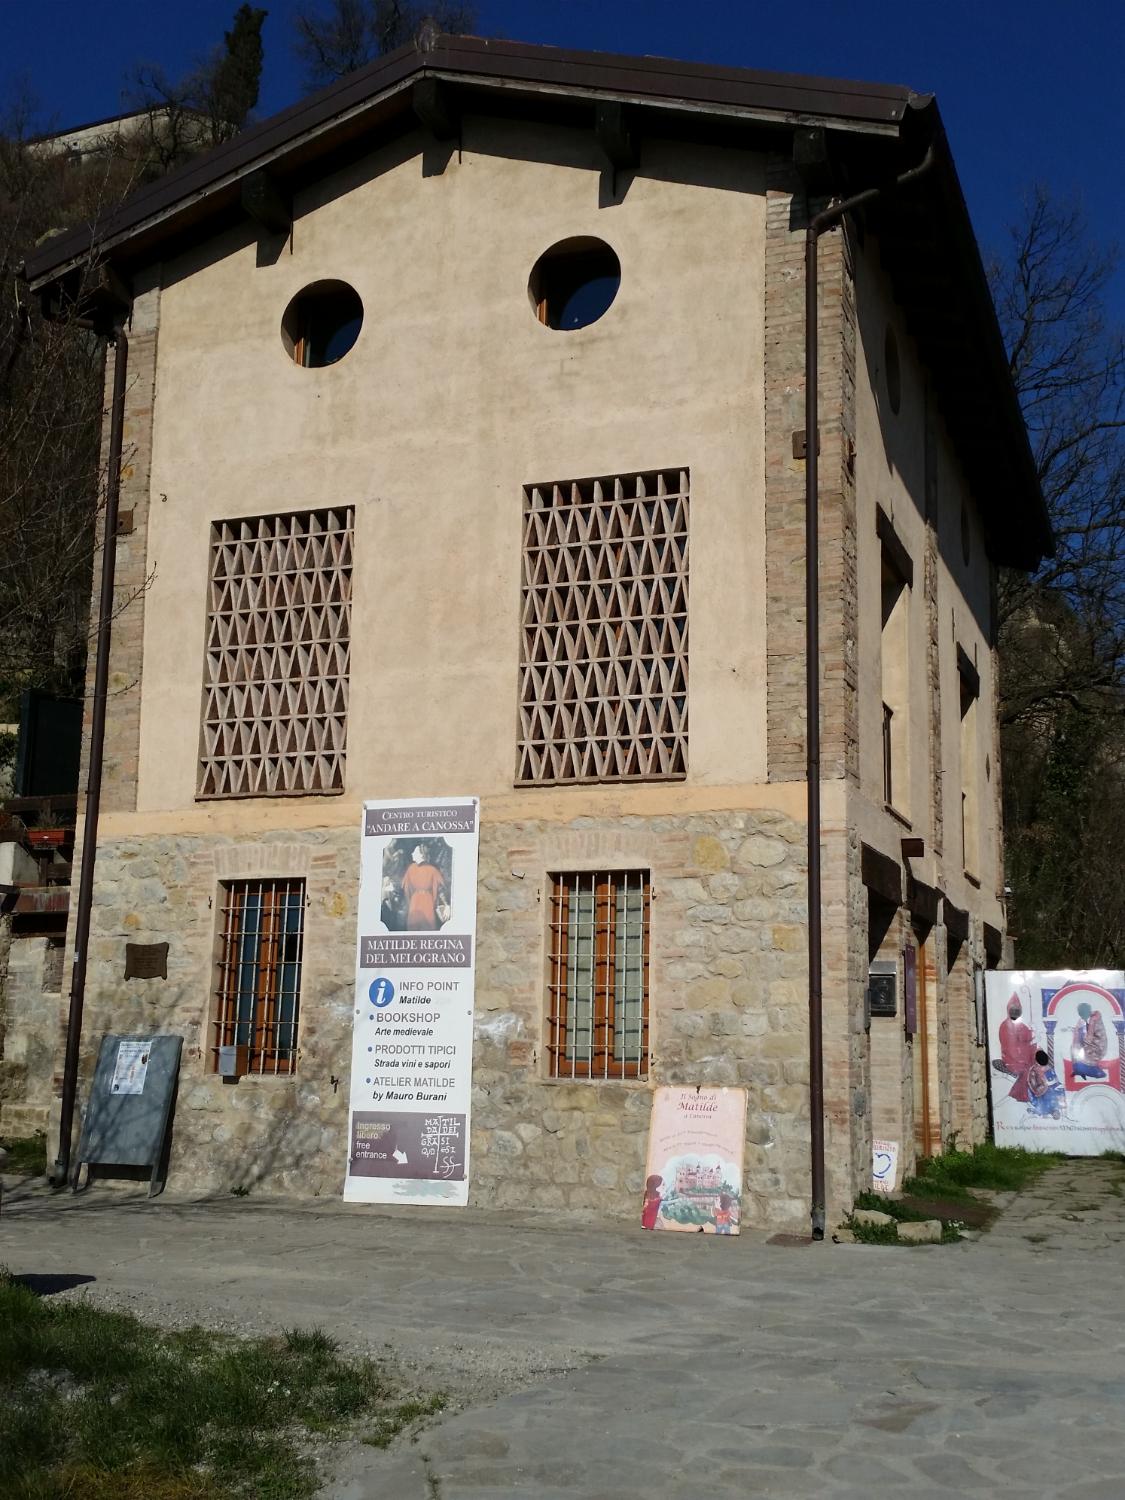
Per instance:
(1061,632)
(51,389)
(1068,365)
(334,37)
(50,417)
(207,105)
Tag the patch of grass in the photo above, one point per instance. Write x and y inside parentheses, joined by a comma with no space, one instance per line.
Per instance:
(874,1234)
(398,1418)
(27,1155)
(898,1208)
(1002,1169)
(887,1234)
(97,1405)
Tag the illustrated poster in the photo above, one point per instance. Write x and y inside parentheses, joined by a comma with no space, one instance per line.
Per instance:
(693,1179)
(412,1034)
(130,1067)
(1056,1046)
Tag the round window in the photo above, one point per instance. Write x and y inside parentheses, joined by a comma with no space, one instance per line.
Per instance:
(891,370)
(322,323)
(574,283)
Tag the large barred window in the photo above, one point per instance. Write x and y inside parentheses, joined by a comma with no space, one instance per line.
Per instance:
(275,689)
(259,973)
(604,647)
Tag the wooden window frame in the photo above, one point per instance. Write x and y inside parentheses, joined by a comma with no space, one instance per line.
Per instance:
(599,1064)
(267,1053)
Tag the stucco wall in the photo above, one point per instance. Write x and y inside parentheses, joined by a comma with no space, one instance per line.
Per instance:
(906,464)
(950,609)
(454,398)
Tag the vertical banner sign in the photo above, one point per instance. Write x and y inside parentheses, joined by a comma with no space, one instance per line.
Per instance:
(1056,1048)
(412,1035)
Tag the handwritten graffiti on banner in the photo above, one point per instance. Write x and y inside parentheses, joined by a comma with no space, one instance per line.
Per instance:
(408,1145)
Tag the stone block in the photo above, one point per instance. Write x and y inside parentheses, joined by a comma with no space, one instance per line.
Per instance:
(762,850)
(873,1217)
(708,854)
(924,1232)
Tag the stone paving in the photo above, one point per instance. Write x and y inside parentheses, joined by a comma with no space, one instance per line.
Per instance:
(609,1364)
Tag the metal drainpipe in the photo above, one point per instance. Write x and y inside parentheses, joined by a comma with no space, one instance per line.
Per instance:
(61,1168)
(817,226)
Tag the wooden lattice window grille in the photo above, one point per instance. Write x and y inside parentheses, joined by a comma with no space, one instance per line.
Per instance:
(604,630)
(275,691)
(258,982)
(598,1005)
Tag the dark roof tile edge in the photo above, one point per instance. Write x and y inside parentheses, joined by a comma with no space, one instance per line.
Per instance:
(473,59)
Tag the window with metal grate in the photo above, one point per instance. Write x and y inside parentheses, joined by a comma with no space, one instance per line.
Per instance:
(604,630)
(275,689)
(597,1020)
(258,977)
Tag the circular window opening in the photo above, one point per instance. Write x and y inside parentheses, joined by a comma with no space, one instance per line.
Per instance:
(892,370)
(322,323)
(966,534)
(574,283)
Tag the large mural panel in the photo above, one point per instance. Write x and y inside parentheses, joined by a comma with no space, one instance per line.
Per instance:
(1056,1044)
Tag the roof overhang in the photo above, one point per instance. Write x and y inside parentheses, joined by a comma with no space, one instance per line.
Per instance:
(873,132)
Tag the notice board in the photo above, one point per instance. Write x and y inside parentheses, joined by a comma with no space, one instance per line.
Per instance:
(127,1118)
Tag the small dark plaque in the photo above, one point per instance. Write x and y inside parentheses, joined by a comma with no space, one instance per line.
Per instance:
(883,989)
(146,960)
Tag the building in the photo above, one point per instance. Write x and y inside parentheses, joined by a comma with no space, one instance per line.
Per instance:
(433,379)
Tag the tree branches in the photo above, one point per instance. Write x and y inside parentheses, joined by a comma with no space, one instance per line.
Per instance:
(334,37)
(1061,632)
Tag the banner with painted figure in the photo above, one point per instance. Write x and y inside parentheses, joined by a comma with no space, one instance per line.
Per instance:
(1056,1046)
(693,1179)
(412,1033)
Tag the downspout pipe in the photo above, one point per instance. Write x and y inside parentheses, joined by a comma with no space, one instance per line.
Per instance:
(61,1168)
(818,225)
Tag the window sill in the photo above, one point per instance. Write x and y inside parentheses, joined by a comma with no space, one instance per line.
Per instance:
(645,1081)
(335,791)
(899,817)
(974,880)
(253,1078)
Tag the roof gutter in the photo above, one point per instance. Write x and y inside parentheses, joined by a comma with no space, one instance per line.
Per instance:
(818,225)
(61,1168)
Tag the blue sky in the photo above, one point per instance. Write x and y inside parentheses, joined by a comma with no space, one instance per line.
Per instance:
(1030,90)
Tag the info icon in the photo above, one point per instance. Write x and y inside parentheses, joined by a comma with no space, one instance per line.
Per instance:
(382,992)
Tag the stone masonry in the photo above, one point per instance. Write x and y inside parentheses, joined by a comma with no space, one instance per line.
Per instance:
(30,979)
(727,1006)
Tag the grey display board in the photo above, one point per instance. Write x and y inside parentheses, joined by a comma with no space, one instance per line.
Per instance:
(130,1106)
